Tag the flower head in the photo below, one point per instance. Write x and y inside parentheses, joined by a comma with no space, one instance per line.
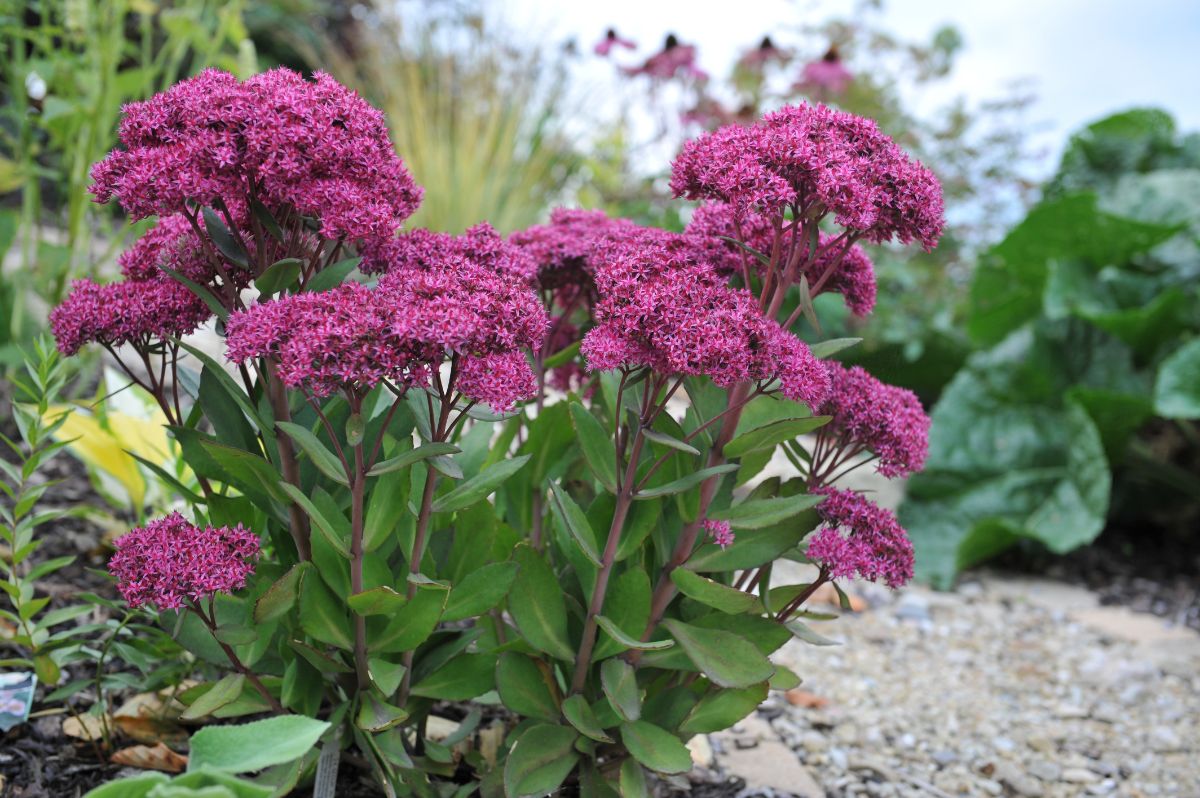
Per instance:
(312,146)
(825,77)
(860,538)
(664,305)
(135,312)
(818,161)
(673,60)
(611,40)
(498,380)
(836,268)
(170,561)
(563,249)
(765,53)
(881,418)
(720,532)
(347,338)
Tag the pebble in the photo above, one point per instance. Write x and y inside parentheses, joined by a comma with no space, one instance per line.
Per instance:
(978,694)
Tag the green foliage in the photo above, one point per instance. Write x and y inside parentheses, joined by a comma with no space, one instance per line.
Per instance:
(1085,315)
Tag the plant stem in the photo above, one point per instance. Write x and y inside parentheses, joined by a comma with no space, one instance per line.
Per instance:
(357,493)
(239,666)
(624,499)
(414,566)
(287,458)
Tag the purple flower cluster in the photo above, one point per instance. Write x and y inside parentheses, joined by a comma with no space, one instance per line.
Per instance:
(835,268)
(170,561)
(563,248)
(826,77)
(313,146)
(881,418)
(816,161)
(860,538)
(720,532)
(468,295)
(612,39)
(664,305)
(146,306)
(674,59)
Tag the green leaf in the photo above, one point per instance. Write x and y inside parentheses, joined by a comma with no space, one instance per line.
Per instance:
(319,659)
(536,605)
(721,709)
(223,238)
(461,679)
(1011,453)
(480,590)
(579,714)
(385,674)
(332,276)
(803,632)
(725,658)
(217,696)
(619,681)
(281,595)
(412,624)
(714,594)
(279,276)
(540,760)
(627,610)
(325,461)
(772,435)
(264,216)
(655,748)
(356,429)
(254,746)
(632,780)
(322,615)
(413,456)
(377,716)
(205,295)
(575,522)
(129,787)
(834,345)
(684,483)
(751,548)
(380,600)
(597,446)
(333,532)
(628,641)
(759,513)
(669,441)
(1177,388)
(526,688)
(480,486)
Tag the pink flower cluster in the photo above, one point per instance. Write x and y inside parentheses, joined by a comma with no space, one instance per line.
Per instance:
(313,146)
(149,304)
(850,271)
(170,561)
(825,77)
(468,295)
(881,418)
(720,532)
(816,161)
(611,40)
(665,306)
(860,538)
(563,248)
(673,60)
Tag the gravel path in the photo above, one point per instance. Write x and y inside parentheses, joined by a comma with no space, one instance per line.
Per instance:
(1007,687)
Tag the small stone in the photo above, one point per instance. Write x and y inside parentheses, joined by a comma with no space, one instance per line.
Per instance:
(771,766)
(1165,739)
(1024,785)
(945,757)
(1070,711)
(912,607)
(1043,744)
(1046,771)
(701,750)
(814,741)
(1079,776)
(991,787)
(1103,788)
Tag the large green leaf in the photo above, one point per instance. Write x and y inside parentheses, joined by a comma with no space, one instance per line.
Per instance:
(1177,389)
(724,657)
(579,714)
(655,748)
(480,486)
(540,760)
(462,678)
(759,513)
(480,590)
(1009,456)
(619,681)
(254,746)
(596,444)
(535,602)
(723,708)
(714,594)
(526,688)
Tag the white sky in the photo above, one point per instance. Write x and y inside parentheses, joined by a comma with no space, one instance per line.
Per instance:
(1087,58)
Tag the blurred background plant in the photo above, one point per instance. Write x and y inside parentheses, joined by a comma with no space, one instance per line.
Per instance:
(67,67)
(1076,411)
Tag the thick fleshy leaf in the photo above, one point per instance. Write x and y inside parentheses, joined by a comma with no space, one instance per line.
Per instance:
(685,483)
(721,709)
(714,594)
(413,456)
(325,461)
(221,693)
(525,687)
(619,681)
(773,434)
(597,446)
(254,746)
(725,658)
(540,760)
(655,748)
(759,513)
(579,714)
(573,519)
(1177,389)
(480,486)
(481,590)
(462,678)
(535,602)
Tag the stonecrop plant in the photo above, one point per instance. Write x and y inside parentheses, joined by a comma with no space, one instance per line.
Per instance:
(516,484)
